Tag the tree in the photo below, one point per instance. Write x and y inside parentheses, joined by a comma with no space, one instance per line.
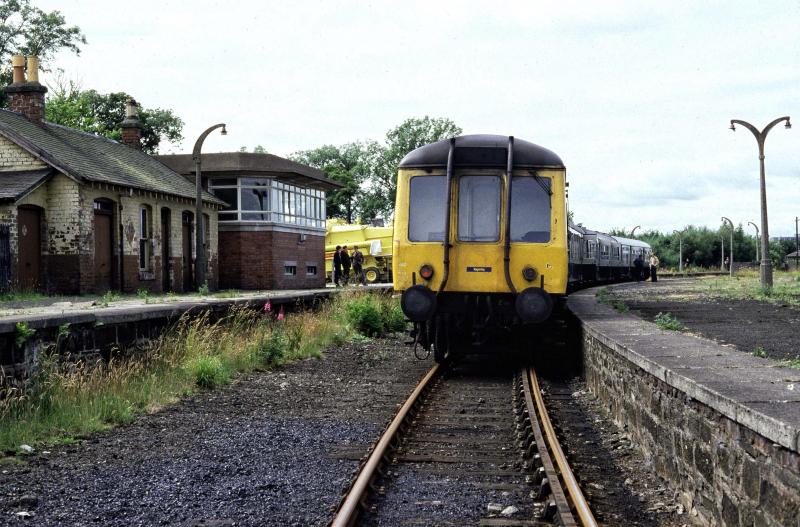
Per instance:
(27,30)
(410,135)
(350,164)
(102,114)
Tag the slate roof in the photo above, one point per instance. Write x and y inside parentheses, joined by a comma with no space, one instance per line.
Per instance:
(14,185)
(247,163)
(92,158)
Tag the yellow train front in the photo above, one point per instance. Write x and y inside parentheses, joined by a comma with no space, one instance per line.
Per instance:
(480,238)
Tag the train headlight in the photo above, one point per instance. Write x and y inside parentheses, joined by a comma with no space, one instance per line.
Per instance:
(418,303)
(529,273)
(426,272)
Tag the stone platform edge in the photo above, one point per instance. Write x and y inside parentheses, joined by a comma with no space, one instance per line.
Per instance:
(122,314)
(648,347)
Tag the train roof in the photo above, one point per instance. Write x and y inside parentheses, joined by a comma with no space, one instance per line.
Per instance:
(632,242)
(482,150)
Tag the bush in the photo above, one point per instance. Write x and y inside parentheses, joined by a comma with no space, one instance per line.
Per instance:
(393,317)
(364,314)
(209,372)
(271,348)
(668,321)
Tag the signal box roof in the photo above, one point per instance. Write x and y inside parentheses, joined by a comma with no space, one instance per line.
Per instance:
(482,151)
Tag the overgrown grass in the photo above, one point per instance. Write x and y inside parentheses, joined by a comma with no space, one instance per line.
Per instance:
(604,296)
(790,363)
(21,296)
(67,399)
(745,285)
(668,321)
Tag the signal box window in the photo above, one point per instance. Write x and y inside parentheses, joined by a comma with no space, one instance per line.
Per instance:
(426,208)
(479,208)
(530,210)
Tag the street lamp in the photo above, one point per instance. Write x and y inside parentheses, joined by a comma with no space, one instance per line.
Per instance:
(680,250)
(634,229)
(200,259)
(757,238)
(724,219)
(766,264)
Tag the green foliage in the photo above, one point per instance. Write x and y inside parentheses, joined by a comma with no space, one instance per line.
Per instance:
(28,30)
(102,114)
(143,293)
(272,347)
(365,316)
(22,334)
(203,289)
(108,297)
(209,372)
(21,296)
(759,352)
(668,321)
(63,330)
(791,363)
(368,169)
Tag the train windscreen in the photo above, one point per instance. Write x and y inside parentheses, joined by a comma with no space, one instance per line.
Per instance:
(479,208)
(530,210)
(426,208)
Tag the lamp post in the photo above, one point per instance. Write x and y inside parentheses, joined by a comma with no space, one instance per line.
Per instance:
(758,241)
(200,259)
(680,250)
(730,265)
(761,137)
(796,242)
(634,229)
(722,256)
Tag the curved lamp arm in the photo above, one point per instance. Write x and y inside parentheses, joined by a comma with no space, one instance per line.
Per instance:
(199,143)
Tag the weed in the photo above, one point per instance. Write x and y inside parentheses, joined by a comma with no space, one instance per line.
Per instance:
(108,297)
(604,296)
(143,294)
(203,289)
(23,333)
(209,372)
(365,316)
(668,321)
(21,296)
(759,352)
(791,363)
(63,330)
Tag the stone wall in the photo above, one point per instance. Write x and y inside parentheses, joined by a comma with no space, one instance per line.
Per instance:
(728,474)
(12,157)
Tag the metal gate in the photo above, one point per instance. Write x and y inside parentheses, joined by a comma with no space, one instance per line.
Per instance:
(5,257)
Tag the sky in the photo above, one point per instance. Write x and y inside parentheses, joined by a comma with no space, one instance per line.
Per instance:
(636,97)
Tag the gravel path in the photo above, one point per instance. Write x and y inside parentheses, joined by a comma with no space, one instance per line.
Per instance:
(273,448)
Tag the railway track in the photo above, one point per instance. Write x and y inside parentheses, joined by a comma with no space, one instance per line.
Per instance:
(468,447)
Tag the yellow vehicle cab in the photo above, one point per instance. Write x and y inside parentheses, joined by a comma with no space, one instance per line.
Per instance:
(374,242)
(480,238)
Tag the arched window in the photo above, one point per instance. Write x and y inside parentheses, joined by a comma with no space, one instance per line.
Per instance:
(145,238)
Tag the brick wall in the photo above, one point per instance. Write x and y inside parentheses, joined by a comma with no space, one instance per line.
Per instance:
(728,474)
(256,259)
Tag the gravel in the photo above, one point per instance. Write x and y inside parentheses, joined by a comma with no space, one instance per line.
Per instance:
(272,448)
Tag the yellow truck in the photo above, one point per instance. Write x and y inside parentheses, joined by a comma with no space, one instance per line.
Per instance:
(375,244)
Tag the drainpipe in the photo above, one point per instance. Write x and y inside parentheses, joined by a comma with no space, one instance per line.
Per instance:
(446,260)
(507,245)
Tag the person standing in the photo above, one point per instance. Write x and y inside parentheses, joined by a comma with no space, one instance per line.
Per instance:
(337,265)
(346,263)
(654,268)
(358,266)
(638,267)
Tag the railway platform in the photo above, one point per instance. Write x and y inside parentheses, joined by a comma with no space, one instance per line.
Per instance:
(720,424)
(95,324)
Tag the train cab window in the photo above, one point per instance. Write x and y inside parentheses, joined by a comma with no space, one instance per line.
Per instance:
(530,209)
(426,208)
(479,208)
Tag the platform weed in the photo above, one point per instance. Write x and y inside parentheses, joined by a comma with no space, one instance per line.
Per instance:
(759,352)
(604,296)
(668,321)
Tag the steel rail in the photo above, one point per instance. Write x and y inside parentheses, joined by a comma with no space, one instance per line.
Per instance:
(573,488)
(348,510)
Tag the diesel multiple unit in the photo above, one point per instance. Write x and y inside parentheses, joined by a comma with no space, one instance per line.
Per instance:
(482,240)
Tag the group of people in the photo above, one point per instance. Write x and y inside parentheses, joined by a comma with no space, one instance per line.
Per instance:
(343,261)
(638,268)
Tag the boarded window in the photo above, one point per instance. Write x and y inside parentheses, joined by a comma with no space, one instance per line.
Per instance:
(426,208)
(145,230)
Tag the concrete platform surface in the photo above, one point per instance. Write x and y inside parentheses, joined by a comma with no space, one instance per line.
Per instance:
(753,392)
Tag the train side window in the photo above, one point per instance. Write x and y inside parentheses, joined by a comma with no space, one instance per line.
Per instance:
(479,208)
(530,210)
(427,197)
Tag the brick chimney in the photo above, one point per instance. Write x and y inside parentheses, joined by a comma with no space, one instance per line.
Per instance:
(26,96)
(132,126)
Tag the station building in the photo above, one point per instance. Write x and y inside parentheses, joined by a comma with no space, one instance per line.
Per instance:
(80,213)
(272,230)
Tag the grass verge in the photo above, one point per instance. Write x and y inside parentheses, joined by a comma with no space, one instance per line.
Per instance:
(745,285)
(68,399)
